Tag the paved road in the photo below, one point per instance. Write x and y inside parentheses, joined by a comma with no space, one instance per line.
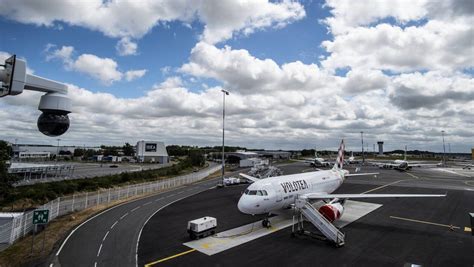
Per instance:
(110,239)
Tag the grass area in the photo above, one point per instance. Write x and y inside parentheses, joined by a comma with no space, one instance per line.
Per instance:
(25,197)
(19,253)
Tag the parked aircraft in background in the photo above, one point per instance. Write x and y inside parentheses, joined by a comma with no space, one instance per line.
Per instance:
(352,159)
(405,165)
(316,161)
(265,196)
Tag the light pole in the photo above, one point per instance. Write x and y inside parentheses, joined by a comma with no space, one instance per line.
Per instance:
(57,155)
(224,93)
(444,150)
(362,139)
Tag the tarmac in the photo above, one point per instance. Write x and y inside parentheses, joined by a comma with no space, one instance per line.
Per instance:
(428,231)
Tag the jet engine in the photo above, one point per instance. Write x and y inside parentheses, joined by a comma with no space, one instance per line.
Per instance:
(332,211)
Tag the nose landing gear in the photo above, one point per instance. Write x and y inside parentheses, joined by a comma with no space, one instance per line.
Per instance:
(266,223)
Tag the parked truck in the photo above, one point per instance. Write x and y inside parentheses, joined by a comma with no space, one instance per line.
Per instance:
(202,227)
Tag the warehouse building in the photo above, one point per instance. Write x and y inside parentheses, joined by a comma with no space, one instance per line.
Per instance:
(152,151)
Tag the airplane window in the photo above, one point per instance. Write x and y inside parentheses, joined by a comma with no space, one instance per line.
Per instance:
(252,192)
(264,193)
(246,191)
(259,193)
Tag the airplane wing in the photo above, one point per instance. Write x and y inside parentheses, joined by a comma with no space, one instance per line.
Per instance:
(386,164)
(361,174)
(414,164)
(316,196)
(251,178)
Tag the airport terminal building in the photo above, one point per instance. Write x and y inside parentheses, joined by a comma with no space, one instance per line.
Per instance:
(152,151)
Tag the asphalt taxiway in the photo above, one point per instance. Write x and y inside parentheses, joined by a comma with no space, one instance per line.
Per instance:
(402,231)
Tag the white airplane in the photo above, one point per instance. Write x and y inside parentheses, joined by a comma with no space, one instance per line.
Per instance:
(316,161)
(352,160)
(404,165)
(270,195)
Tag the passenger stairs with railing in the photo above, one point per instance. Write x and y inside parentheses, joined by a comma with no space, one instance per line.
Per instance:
(304,208)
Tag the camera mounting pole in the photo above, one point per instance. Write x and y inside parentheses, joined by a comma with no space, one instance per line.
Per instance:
(55,104)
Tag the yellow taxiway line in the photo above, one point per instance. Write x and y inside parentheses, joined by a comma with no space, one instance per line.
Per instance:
(170,257)
(425,222)
(380,187)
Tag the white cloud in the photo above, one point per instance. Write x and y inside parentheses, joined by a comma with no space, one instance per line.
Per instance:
(427,35)
(103,69)
(134,74)
(242,72)
(125,47)
(351,14)
(435,45)
(404,82)
(221,18)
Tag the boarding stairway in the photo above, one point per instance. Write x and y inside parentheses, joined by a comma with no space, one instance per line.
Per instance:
(304,208)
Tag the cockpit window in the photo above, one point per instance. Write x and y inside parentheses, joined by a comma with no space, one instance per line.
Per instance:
(256,192)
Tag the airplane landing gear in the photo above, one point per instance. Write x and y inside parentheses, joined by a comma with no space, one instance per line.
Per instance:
(266,223)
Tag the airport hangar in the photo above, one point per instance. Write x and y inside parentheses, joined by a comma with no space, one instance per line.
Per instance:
(151,231)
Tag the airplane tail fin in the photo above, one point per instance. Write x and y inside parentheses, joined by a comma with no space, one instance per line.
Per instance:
(340,157)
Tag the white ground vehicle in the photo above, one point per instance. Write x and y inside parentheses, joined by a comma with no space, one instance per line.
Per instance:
(202,227)
(232,180)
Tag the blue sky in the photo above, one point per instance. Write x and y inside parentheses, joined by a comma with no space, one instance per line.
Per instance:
(167,45)
(302,74)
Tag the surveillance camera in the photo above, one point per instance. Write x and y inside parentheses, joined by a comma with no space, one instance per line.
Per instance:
(55,105)
(54,120)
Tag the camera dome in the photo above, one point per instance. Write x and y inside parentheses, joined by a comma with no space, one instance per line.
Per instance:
(53,124)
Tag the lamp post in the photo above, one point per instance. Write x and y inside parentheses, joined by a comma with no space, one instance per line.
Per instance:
(224,93)
(362,140)
(444,150)
(57,155)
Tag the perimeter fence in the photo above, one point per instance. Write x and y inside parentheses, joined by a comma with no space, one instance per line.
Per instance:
(20,224)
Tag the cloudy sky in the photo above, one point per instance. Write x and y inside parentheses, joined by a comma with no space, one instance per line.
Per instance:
(300,74)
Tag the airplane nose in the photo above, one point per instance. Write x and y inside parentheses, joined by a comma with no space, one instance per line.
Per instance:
(243,205)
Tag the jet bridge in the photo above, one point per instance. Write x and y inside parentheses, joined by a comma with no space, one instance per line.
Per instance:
(304,208)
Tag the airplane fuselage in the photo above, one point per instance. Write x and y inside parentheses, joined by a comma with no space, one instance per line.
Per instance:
(275,193)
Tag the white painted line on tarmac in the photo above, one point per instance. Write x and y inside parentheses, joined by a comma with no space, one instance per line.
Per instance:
(172,195)
(111,227)
(148,203)
(105,236)
(134,209)
(123,216)
(100,248)
(95,264)
(380,187)
(143,226)
(426,222)
(86,221)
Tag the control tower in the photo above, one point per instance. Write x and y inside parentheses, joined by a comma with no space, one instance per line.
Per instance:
(380,143)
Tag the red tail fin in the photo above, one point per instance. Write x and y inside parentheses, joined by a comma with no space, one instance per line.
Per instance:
(340,157)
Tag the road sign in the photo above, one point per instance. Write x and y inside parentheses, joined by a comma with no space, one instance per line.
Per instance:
(40,216)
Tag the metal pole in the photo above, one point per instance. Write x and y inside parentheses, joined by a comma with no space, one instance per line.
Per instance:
(44,237)
(362,139)
(224,92)
(57,155)
(33,240)
(444,150)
